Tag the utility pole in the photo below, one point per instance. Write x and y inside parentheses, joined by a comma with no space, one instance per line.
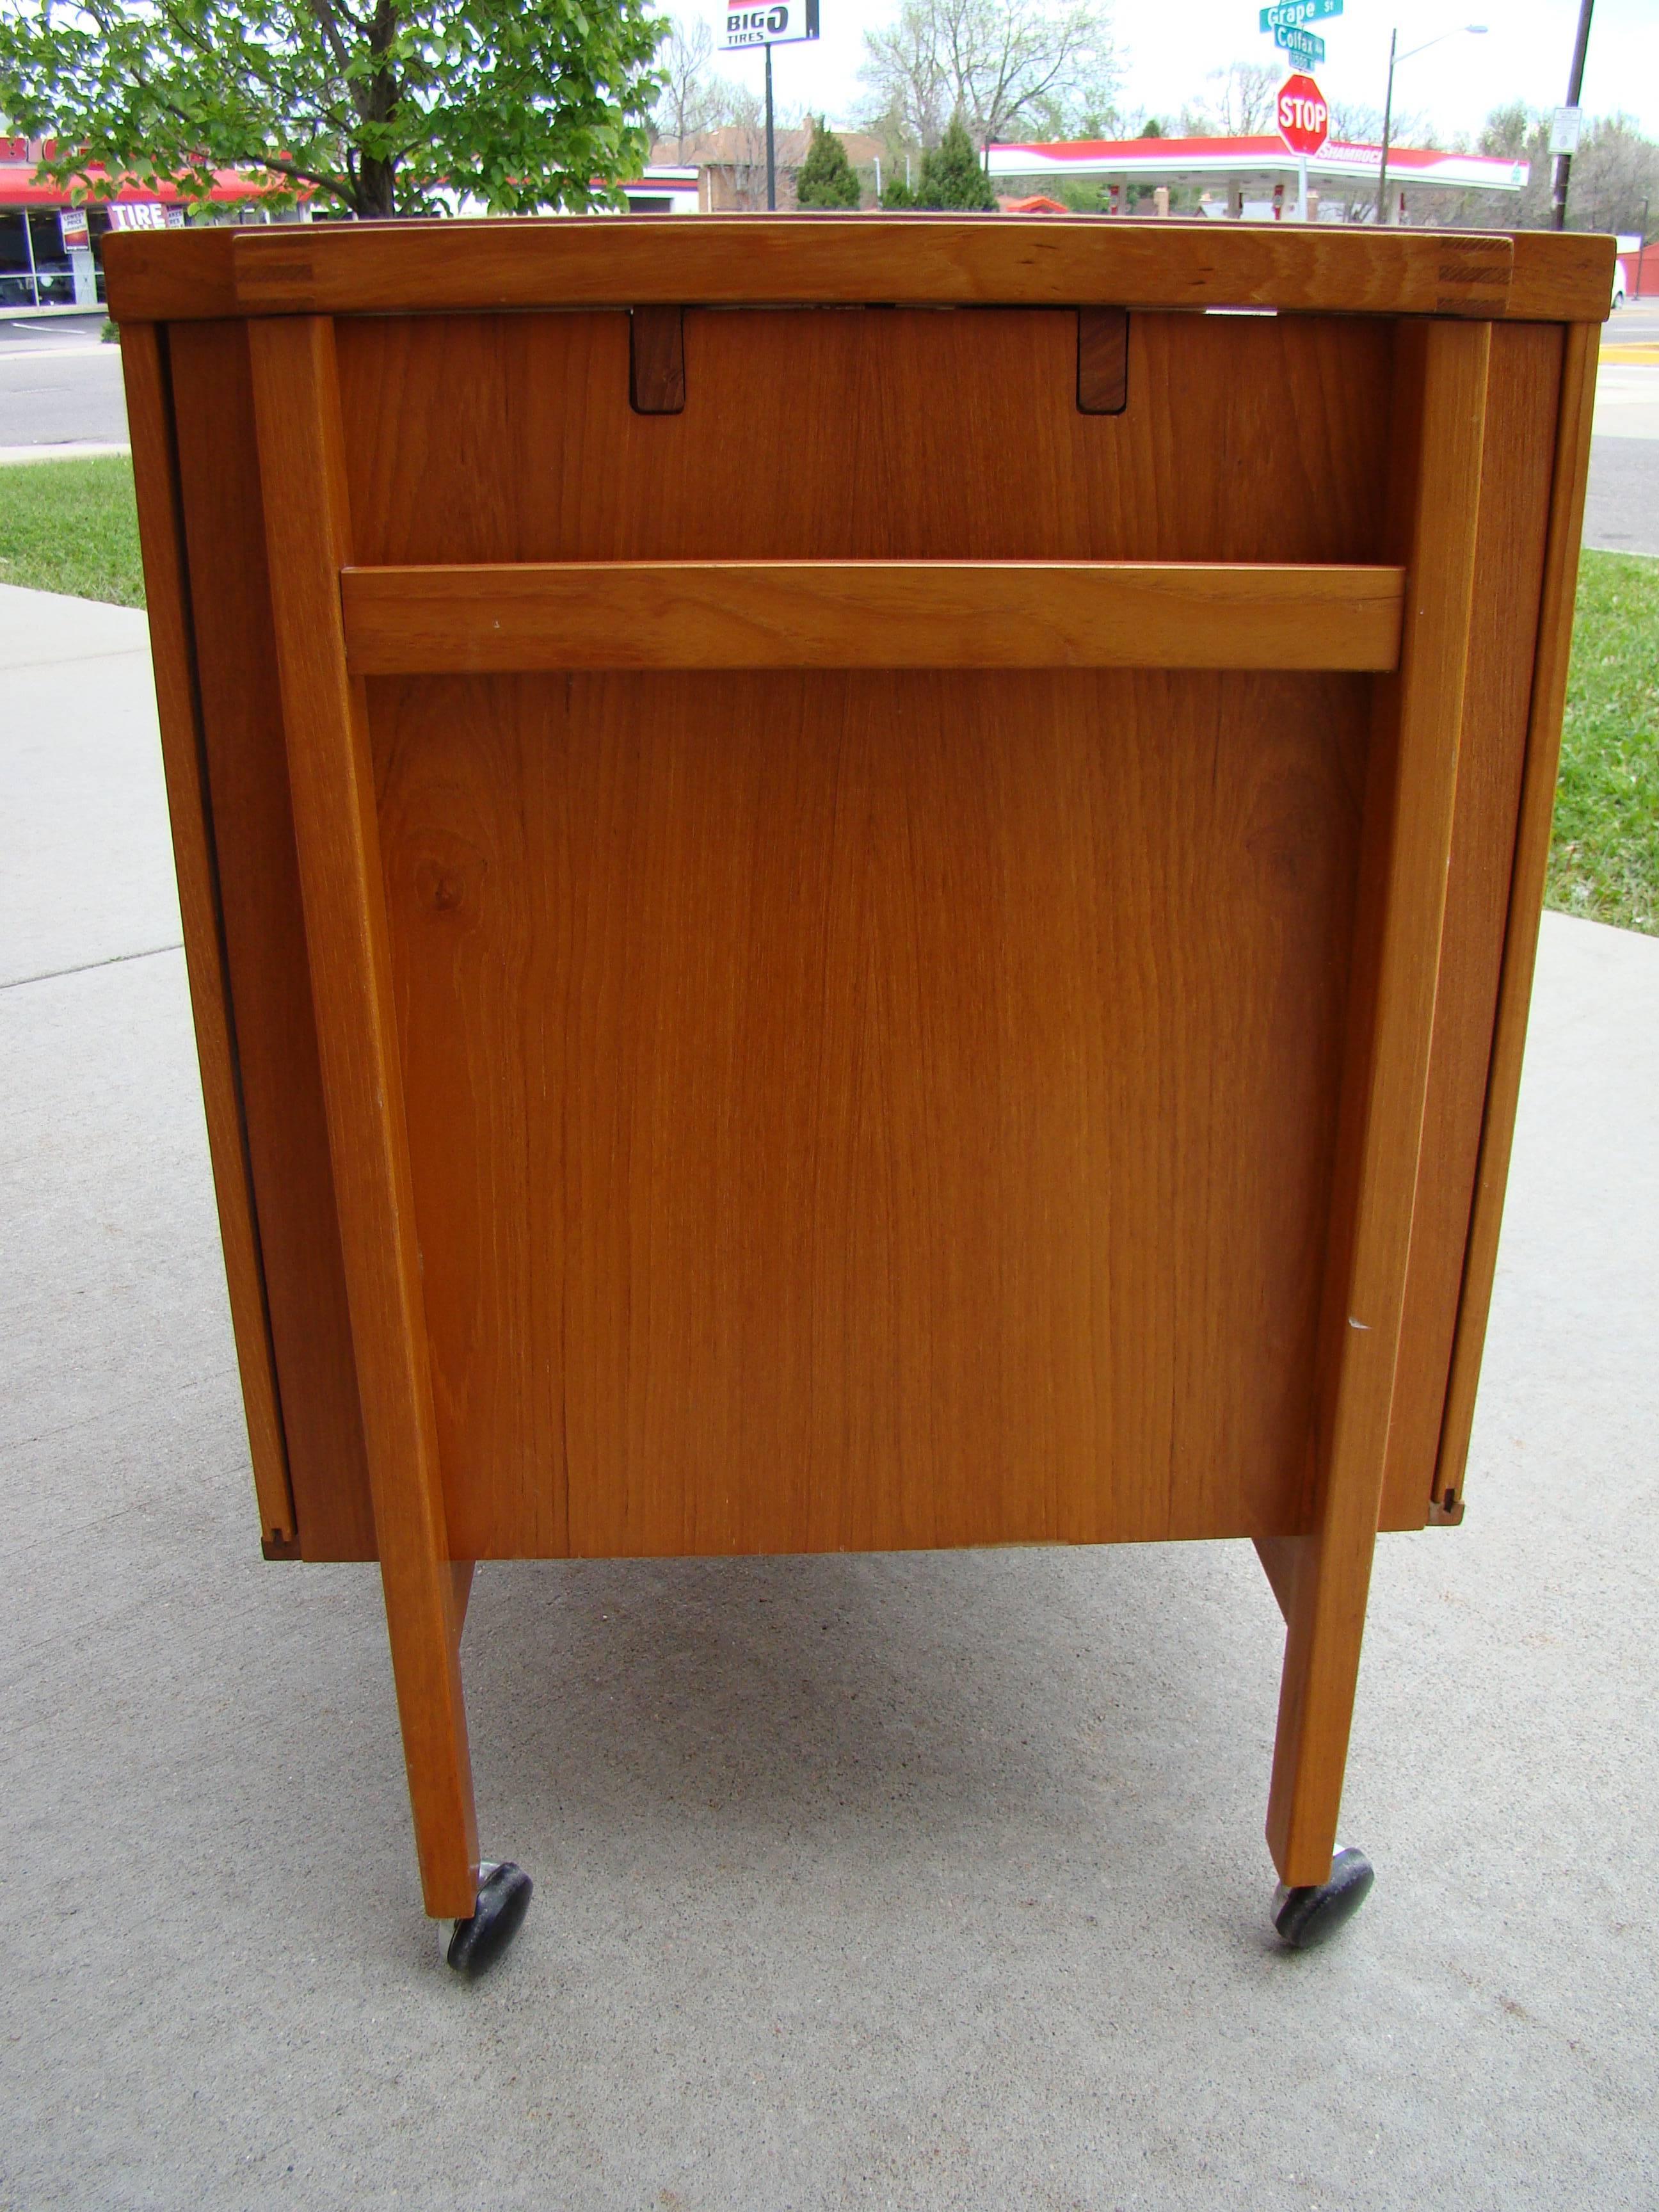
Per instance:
(1575,85)
(1388,121)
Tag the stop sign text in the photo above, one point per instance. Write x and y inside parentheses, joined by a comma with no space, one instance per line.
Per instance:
(1305,120)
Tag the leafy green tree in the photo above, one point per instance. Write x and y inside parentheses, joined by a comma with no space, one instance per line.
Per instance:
(898,197)
(379,108)
(826,177)
(951,174)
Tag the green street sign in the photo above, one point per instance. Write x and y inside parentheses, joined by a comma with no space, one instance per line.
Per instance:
(1287,14)
(1303,47)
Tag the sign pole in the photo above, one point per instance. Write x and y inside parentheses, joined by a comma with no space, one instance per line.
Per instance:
(771,148)
(1302,188)
(1575,86)
(29,247)
(1388,121)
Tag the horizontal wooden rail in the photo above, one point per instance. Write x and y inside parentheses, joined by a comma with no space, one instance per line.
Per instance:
(1039,261)
(868,614)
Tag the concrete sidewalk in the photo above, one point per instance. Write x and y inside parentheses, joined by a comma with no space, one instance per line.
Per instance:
(928,1882)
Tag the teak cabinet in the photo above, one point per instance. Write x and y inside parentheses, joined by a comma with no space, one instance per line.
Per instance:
(858,883)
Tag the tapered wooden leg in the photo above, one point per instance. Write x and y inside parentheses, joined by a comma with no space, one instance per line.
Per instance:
(330,774)
(1322,1577)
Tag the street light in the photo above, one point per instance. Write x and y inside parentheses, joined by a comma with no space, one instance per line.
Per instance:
(1474,30)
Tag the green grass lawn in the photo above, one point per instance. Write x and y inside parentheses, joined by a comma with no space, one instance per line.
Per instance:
(70,526)
(1604,860)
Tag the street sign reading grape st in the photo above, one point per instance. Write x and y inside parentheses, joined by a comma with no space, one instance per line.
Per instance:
(1290,12)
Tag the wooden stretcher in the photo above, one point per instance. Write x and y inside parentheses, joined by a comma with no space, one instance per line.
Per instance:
(854,884)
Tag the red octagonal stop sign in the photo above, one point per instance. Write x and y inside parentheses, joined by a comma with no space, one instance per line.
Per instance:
(1305,120)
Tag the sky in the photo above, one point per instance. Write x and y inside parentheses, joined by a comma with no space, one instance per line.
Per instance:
(1165,50)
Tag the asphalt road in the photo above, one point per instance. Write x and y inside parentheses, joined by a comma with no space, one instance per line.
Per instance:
(1622,513)
(60,386)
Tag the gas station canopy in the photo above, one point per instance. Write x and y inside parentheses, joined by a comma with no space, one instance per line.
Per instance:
(1153,162)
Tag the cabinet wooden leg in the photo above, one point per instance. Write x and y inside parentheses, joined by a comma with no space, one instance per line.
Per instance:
(1322,1577)
(336,838)
(423,1621)
(1321,1588)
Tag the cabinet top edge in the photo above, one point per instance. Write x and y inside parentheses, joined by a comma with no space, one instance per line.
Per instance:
(747,260)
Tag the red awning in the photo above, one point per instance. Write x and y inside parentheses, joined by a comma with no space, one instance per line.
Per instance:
(19,189)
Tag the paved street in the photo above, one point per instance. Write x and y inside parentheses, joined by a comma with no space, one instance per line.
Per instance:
(1622,512)
(58,385)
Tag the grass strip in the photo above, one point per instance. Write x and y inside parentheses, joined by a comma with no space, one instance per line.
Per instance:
(71,526)
(1604,858)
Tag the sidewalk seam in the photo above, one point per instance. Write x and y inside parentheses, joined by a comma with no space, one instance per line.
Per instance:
(57,660)
(115,959)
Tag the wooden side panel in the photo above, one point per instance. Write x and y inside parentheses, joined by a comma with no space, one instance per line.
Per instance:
(166,592)
(266,941)
(868,1111)
(1437,437)
(1517,463)
(1549,691)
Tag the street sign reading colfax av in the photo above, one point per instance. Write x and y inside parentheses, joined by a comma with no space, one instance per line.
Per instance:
(1305,48)
(1305,120)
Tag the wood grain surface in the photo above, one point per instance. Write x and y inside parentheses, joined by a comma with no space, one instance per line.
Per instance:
(1050,261)
(245,764)
(1522,399)
(167,597)
(935,437)
(718,919)
(1103,360)
(657,360)
(491,620)
(1543,752)
(297,407)
(1436,441)
(866,1110)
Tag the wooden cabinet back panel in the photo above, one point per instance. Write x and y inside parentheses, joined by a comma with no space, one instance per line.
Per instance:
(1029,1129)
(872,433)
(869,1110)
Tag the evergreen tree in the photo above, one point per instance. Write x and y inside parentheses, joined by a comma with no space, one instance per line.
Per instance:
(952,176)
(898,197)
(826,177)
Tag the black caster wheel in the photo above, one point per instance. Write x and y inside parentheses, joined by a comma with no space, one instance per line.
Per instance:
(1304,1918)
(503,1901)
